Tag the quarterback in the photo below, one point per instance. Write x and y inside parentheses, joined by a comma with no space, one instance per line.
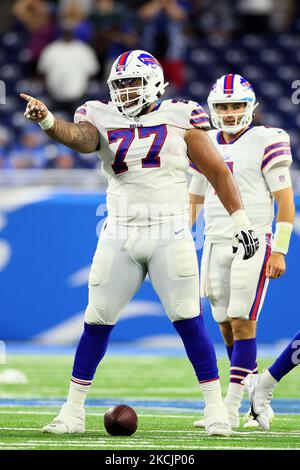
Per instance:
(259,158)
(144,145)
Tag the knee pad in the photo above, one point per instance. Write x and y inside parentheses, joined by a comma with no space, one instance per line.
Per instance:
(184,304)
(99,310)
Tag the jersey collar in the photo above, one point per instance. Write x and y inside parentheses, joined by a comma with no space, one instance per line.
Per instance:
(222,141)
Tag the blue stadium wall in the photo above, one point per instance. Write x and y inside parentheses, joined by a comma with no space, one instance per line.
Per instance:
(47,242)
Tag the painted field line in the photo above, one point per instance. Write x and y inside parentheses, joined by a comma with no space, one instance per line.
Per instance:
(236,434)
(51,413)
(209,446)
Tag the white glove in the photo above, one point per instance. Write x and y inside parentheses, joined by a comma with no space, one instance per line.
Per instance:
(244,234)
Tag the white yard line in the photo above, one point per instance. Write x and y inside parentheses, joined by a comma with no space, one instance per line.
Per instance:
(101,445)
(236,434)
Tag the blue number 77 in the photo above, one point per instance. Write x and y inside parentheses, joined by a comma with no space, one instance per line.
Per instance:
(126,137)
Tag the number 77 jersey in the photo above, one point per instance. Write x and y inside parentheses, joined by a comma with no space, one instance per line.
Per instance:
(145,159)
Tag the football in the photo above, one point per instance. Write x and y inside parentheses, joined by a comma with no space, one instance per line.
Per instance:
(120,420)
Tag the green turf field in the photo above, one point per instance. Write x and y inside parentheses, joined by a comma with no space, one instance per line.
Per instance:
(163,391)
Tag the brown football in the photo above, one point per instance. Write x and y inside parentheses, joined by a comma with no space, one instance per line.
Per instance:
(120,420)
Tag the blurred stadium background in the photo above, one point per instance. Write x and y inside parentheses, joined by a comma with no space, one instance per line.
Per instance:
(52,200)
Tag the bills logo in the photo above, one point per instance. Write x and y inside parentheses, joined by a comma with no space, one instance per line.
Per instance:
(148,59)
(246,84)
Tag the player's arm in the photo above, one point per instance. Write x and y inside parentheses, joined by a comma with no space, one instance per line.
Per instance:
(204,155)
(82,137)
(284,225)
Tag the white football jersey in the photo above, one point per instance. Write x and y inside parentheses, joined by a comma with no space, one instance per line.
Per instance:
(249,157)
(145,159)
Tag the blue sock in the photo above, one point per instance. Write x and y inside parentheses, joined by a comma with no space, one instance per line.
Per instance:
(229,351)
(90,350)
(287,360)
(243,359)
(199,348)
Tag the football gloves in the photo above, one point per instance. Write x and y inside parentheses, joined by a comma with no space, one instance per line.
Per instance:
(249,241)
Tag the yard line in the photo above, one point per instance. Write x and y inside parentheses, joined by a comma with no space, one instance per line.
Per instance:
(209,446)
(237,434)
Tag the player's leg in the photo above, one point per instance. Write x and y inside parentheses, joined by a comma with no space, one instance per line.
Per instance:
(261,386)
(173,271)
(113,280)
(248,285)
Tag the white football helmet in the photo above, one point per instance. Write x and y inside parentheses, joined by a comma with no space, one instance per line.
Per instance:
(135,81)
(232,88)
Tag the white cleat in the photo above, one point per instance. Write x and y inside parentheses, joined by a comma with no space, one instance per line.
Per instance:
(234,421)
(71,420)
(200,423)
(252,423)
(260,398)
(217,421)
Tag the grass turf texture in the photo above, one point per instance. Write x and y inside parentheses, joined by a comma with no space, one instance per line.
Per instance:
(145,379)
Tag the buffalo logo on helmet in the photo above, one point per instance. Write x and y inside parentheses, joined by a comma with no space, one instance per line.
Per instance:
(148,59)
(246,84)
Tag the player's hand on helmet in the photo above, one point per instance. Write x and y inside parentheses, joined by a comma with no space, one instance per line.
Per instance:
(248,240)
(275,266)
(35,110)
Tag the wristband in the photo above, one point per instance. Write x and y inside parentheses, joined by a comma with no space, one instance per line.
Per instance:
(282,237)
(48,122)
(240,219)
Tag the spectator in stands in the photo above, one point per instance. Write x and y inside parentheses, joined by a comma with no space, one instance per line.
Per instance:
(163,35)
(74,14)
(63,158)
(255,16)
(67,65)
(207,18)
(36,17)
(29,152)
(113,31)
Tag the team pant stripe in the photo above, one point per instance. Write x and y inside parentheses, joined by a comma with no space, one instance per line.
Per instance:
(261,283)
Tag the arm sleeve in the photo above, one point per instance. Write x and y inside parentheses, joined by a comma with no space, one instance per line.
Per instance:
(84,114)
(277,151)
(278,178)
(197,185)
(199,118)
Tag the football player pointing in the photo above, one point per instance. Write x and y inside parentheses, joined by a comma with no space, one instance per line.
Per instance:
(259,158)
(143,145)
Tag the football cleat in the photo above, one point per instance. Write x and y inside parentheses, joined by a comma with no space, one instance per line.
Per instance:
(260,398)
(252,423)
(71,420)
(217,421)
(234,420)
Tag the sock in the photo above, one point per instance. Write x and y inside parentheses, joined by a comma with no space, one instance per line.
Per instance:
(199,348)
(90,350)
(242,363)
(255,370)
(77,394)
(212,392)
(229,351)
(287,360)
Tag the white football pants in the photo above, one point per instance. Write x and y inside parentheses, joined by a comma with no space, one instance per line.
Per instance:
(236,288)
(125,255)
